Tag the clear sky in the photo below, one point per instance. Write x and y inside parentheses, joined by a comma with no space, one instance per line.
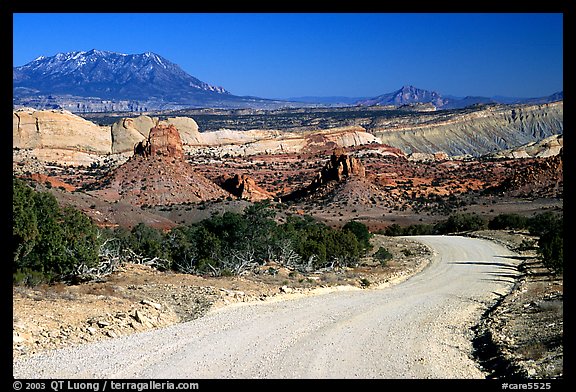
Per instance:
(282,55)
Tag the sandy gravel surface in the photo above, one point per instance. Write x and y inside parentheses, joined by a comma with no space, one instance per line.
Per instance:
(420,328)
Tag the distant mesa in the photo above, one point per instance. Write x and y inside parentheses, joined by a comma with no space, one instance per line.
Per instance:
(410,98)
(407,95)
(104,81)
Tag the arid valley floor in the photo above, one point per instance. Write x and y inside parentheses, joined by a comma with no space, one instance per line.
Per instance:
(349,170)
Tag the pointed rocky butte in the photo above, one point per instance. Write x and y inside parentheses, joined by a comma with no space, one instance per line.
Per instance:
(164,141)
(340,168)
(158,174)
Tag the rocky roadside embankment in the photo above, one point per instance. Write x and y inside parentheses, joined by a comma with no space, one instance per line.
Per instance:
(138,298)
(522,335)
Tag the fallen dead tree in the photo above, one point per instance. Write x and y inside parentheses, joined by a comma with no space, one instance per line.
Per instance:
(112,256)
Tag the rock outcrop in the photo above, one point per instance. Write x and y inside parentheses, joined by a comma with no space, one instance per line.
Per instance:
(60,136)
(544,148)
(157,174)
(58,130)
(542,177)
(187,127)
(255,141)
(126,132)
(165,141)
(474,131)
(428,157)
(244,187)
(341,168)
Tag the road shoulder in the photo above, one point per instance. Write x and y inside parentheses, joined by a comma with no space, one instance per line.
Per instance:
(522,334)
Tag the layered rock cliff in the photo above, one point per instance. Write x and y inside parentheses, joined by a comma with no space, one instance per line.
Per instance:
(473,132)
(60,136)
(256,141)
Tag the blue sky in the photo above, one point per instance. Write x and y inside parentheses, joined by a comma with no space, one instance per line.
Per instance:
(281,55)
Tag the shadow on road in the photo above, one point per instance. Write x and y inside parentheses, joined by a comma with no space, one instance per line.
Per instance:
(487,263)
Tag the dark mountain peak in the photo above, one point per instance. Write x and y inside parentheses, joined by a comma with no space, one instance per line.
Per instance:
(407,94)
(96,52)
(417,94)
(110,75)
(409,88)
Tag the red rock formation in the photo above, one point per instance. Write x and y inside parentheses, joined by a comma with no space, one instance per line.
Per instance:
(244,187)
(340,166)
(542,177)
(165,140)
(149,178)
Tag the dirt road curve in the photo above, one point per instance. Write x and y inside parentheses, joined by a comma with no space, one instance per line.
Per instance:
(417,329)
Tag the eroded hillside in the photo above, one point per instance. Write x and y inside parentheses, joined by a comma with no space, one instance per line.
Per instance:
(475,133)
(122,182)
(60,136)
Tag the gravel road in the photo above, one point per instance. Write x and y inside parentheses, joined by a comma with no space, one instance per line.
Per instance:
(420,328)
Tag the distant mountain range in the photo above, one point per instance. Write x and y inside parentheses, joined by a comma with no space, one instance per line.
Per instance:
(110,75)
(405,96)
(410,95)
(95,80)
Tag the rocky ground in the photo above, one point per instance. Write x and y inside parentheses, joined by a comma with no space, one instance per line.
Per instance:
(137,297)
(521,337)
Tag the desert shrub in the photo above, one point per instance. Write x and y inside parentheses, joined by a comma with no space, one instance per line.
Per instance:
(49,242)
(460,222)
(507,221)
(551,249)
(394,230)
(455,223)
(415,229)
(147,241)
(321,245)
(360,230)
(342,247)
(24,223)
(543,222)
(28,277)
(551,241)
(383,255)
(230,243)
(419,229)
